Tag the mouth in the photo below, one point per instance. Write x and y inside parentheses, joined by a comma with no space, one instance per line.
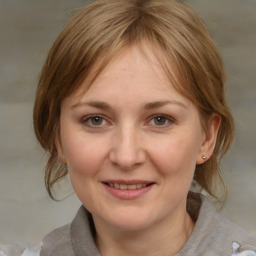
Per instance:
(128,190)
(123,186)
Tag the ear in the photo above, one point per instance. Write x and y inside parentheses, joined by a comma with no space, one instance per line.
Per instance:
(59,148)
(209,139)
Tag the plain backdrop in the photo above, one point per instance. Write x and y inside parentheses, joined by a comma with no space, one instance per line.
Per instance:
(27,30)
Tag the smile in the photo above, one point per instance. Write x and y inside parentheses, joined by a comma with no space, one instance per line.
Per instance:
(125,186)
(128,190)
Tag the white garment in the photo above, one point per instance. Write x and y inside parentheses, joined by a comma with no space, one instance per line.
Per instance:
(18,249)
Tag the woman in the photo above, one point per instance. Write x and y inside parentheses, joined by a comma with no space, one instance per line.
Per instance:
(131,105)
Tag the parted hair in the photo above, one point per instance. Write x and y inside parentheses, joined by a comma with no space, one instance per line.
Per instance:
(98,32)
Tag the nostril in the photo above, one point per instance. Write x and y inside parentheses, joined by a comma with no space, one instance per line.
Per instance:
(127,159)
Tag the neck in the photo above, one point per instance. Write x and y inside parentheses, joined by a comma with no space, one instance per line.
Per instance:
(165,238)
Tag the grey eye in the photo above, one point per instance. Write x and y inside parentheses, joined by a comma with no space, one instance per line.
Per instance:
(96,120)
(160,120)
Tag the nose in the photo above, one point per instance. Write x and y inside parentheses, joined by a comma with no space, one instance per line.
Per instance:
(127,152)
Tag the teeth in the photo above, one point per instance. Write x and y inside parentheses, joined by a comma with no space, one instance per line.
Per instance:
(125,187)
(132,186)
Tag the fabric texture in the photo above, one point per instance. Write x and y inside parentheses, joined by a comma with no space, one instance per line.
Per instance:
(213,235)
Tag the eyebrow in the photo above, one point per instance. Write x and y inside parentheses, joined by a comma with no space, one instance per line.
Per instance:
(158,104)
(96,104)
(148,106)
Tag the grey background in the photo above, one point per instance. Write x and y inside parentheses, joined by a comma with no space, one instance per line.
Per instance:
(27,30)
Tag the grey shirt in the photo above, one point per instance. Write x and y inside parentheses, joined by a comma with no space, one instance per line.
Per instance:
(213,235)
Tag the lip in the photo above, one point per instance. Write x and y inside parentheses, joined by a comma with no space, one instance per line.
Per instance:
(127,194)
(129,182)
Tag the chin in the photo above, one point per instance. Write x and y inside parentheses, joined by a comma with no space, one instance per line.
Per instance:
(131,225)
(130,220)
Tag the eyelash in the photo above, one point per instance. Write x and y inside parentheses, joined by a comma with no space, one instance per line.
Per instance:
(168,120)
(88,121)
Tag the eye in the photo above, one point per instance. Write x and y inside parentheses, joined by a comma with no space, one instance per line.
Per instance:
(94,121)
(160,120)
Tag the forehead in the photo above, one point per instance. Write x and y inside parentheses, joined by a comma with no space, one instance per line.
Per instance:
(134,75)
(142,62)
(132,63)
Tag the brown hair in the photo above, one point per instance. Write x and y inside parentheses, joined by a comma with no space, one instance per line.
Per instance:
(96,34)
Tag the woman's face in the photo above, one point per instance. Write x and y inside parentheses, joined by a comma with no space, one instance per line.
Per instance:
(131,144)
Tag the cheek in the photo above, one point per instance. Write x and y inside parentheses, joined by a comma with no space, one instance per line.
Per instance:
(83,155)
(84,159)
(176,156)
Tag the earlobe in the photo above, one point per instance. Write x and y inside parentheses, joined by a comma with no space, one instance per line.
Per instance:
(210,139)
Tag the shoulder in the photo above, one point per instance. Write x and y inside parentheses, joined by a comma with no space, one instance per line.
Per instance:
(76,238)
(226,234)
(58,243)
(215,235)
(233,237)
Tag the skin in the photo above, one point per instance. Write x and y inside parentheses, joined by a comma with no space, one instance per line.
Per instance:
(133,125)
